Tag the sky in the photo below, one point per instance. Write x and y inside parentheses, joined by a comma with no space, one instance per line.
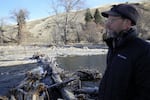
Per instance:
(41,8)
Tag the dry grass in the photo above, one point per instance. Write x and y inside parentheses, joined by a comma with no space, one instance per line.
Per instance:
(40,31)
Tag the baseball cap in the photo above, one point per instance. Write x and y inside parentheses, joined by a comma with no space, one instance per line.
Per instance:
(124,10)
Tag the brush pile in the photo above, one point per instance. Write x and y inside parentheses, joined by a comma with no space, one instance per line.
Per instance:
(49,82)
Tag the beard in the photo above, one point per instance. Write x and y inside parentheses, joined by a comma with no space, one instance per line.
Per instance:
(109,34)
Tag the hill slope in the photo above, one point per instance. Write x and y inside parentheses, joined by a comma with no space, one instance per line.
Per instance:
(42,30)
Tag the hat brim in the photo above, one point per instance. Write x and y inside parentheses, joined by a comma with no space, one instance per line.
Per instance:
(110,13)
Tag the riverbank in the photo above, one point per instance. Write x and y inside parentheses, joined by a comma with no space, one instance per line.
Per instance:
(14,55)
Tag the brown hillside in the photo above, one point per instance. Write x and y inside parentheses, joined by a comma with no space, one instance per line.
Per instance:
(40,31)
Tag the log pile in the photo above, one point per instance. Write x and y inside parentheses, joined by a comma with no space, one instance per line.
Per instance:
(46,83)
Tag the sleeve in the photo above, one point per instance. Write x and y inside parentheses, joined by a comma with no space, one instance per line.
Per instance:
(143,77)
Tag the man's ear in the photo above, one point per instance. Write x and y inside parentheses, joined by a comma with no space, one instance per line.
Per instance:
(127,23)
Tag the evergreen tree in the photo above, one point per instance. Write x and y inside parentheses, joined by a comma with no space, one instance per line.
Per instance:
(97,17)
(88,16)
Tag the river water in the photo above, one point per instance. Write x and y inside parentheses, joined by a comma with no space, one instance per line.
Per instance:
(11,76)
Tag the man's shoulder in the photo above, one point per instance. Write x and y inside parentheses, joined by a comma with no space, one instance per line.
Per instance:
(141,43)
(138,46)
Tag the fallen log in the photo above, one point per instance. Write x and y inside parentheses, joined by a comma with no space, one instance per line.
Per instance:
(67,95)
(88,75)
(44,82)
(87,90)
(61,84)
(51,66)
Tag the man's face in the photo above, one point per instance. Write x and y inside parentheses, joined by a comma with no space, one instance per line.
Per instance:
(114,25)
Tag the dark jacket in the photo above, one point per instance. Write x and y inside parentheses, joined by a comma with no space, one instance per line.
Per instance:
(127,76)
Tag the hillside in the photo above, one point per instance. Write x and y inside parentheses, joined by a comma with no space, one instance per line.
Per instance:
(42,31)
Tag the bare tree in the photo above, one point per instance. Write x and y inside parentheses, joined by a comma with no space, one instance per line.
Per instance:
(92,33)
(1,31)
(20,17)
(64,20)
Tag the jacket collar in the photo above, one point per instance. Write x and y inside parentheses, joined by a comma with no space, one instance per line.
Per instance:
(122,39)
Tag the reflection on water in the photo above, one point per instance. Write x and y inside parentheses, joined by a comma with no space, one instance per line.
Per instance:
(73,63)
(12,75)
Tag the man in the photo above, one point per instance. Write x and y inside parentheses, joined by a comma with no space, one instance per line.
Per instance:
(127,76)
